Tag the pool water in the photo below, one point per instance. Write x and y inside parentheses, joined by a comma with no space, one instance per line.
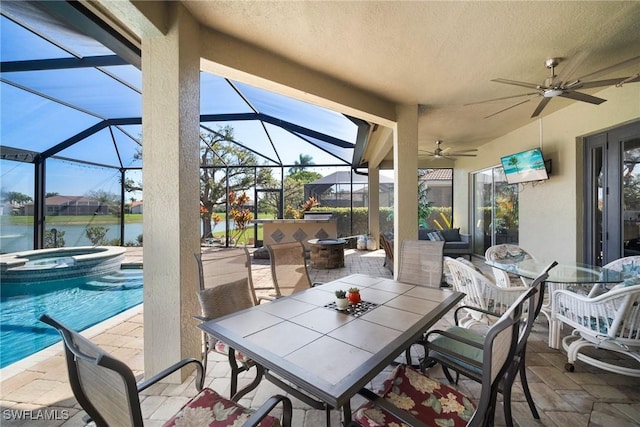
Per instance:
(78,302)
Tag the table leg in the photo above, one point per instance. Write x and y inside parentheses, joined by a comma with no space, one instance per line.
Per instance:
(346,414)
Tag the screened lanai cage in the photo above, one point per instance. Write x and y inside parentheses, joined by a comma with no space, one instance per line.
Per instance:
(71,137)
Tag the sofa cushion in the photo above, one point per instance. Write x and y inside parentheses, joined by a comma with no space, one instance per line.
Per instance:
(436,236)
(456,245)
(451,235)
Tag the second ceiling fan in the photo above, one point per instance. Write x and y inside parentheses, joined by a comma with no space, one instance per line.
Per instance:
(445,153)
(562,85)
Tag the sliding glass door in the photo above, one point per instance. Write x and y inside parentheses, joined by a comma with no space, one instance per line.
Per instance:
(612,195)
(495,210)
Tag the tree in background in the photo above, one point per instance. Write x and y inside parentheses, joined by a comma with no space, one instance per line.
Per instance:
(112,200)
(217,151)
(16,198)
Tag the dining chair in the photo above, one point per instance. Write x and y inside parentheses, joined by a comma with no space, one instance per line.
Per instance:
(386,241)
(410,397)
(480,292)
(609,322)
(451,349)
(421,262)
(224,287)
(106,389)
(509,253)
(420,265)
(629,266)
(288,268)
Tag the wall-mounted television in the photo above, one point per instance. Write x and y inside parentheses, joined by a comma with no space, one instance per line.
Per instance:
(525,166)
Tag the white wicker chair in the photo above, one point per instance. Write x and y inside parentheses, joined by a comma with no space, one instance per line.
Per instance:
(480,293)
(610,321)
(507,253)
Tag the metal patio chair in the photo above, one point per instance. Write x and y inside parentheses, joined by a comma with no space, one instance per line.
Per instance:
(433,403)
(106,389)
(288,268)
(421,263)
(450,348)
(225,286)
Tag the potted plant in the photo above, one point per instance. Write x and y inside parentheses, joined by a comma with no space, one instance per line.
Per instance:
(354,295)
(341,300)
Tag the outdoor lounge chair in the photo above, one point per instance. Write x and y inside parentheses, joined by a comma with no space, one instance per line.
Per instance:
(106,389)
(480,293)
(450,348)
(227,289)
(433,403)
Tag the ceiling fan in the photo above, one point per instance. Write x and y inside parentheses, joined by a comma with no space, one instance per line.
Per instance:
(561,84)
(444,153)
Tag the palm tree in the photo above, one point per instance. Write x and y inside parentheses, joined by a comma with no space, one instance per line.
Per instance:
(303,161)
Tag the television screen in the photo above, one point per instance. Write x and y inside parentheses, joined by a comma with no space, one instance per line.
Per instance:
(524,166)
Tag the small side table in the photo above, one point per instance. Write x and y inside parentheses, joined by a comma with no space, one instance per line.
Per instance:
(327,253)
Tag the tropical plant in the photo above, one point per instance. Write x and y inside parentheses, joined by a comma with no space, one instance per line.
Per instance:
(241,215)
(54,238)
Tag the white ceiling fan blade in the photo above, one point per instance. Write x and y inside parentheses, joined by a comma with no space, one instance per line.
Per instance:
(570,67)
(579,96)
(540,107)
(508,108)
(611,69)
(517,83)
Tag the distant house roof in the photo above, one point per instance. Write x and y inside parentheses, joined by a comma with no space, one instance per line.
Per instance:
(61,200)
(438,174)
(344,177)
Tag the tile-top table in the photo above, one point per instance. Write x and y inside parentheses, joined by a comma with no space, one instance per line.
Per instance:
(330,354)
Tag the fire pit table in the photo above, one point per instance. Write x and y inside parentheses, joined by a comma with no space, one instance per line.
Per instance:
(327,253)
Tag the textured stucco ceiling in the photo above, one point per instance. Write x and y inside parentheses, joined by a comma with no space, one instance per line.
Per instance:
(440,55)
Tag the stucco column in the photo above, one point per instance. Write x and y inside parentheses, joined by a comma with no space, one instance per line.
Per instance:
(171,118)
(405,165)
(374,204)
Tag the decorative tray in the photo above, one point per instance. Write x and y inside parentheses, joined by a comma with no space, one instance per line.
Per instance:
(354,309)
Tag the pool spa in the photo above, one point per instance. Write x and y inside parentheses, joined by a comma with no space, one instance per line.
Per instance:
(83,296)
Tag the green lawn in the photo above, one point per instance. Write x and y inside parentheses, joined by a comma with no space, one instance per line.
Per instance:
(70,219)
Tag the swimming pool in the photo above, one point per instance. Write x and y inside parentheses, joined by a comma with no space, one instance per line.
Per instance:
(80,302)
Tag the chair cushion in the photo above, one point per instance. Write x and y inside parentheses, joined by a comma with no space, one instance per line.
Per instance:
(429,400)
(223,348)
(461,348)
(208,408)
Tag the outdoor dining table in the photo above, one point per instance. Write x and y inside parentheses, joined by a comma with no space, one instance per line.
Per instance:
(576,276)
(330,354)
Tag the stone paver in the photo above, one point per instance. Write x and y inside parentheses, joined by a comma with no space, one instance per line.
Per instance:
(587,397)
